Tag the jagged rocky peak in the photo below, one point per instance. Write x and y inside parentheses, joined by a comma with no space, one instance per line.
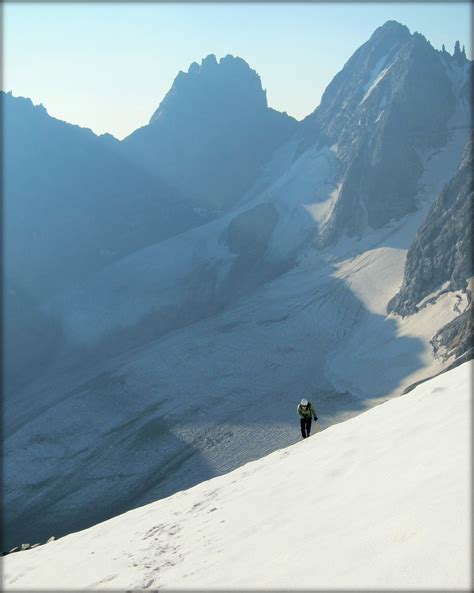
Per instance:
(458,57)
(392,30)
(229,83)
(23,105)
(388,106)
(349,87)
(390,63)
(459,54)
(214,125)
(230,65)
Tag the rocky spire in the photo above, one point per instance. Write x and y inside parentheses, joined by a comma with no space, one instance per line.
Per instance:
(459,56)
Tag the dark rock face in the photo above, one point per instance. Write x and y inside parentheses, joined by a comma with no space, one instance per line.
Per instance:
(248,236)
(212,133)
(391,102)
(456,338)
(249,232)
(442,251)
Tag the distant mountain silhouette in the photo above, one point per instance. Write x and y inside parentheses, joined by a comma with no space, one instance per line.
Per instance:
(212,133)
(72,203)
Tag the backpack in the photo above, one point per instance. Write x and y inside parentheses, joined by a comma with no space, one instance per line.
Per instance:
(308,407)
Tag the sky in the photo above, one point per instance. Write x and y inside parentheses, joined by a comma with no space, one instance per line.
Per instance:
(107,66)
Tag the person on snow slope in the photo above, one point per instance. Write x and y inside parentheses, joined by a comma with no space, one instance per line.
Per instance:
(306,412)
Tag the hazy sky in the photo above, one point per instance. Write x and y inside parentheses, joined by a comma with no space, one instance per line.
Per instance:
(107,66)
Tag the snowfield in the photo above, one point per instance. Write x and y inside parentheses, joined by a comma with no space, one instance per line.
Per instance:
(379,501)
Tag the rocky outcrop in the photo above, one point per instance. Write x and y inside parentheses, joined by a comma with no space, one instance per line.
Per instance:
(441,255)
(459,54)
(455,339)
(23,547)
(248,233)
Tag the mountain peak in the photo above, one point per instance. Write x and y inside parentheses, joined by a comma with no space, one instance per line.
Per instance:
(214,125)
(228,62)
(394,26)
(229,80)
(387,36)
(392,29)
(210,60)
(459,54)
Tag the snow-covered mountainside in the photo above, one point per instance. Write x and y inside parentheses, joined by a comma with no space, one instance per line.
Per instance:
(381,501)
(185,359)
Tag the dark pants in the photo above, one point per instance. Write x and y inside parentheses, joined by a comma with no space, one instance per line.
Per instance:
(305,426)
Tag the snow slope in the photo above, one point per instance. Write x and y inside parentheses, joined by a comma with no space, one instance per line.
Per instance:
(379,501)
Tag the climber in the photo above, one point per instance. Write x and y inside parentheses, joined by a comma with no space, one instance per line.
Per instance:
(306,412)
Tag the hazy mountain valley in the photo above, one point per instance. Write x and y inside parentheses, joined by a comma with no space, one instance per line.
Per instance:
(170,297)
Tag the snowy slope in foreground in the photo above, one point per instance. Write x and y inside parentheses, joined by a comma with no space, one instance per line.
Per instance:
(379,501)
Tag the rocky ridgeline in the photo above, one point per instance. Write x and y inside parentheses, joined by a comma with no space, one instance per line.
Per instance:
(441,260)
(442,252)
(390,104)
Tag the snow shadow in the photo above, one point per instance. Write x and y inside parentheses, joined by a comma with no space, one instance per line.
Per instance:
(102,450)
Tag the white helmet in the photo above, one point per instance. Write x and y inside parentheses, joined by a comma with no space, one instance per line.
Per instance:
(304,402)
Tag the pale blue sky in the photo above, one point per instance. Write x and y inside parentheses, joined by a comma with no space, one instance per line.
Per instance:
(107,66)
